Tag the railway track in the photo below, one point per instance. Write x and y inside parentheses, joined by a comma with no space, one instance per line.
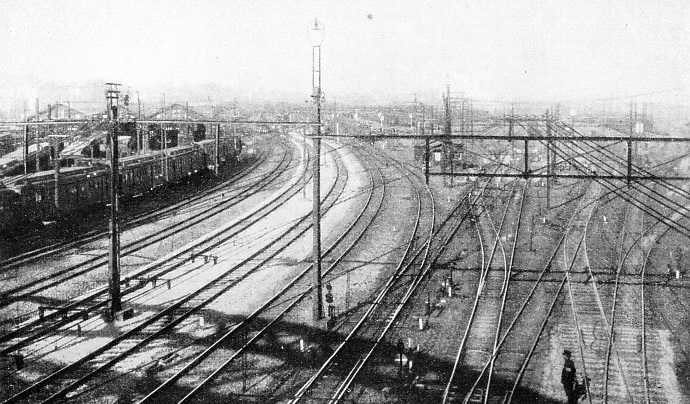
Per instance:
(610,321)
(480,336)
(661,337)
(364,335)
(133,220)
(203,295)
(622,375)
(209,365)
(513,343)
(607,160)
(30,289)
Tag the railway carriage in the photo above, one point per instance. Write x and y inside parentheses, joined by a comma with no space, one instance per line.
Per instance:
(32,198)
(10,207)
(229,151)
(183,161)
(79,188)
(208,148)
(138,174)
(13,163)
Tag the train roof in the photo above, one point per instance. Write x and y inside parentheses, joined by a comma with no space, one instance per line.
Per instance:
(154,155)
(223,139)
(11,182)
(180,149)
(65,173)
(18,154)
(79,143)
(136,158)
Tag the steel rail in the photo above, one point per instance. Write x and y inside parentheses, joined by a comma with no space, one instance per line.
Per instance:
(645,208)
(495,350)
(290,189)
(401,267)
(537,282)
(675,205)
(483,277)
(543,326)
(344,386)
(506,283)
(611,332)
(198,294)
(74,306)
(572,300)
(226,337)
(484,270)
(11,295)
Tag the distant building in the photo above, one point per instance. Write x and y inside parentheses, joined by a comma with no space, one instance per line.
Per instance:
(58,111)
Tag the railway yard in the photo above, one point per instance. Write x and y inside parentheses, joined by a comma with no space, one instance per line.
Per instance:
(462,289)
(481,203)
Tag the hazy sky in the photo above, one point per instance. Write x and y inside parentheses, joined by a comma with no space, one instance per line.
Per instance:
(489,49)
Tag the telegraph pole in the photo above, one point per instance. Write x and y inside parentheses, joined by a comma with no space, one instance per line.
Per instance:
(549,163)
(217,142)
(139,129)
(112,95)
(26,149)
(426,149)
(447,117)
(448,131)
(413,121)
(38,132)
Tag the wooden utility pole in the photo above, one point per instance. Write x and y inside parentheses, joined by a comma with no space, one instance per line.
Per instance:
(139,129)
(38,132)
(26,149)
(56,162)
(549,162)
(112,95)
(217,162)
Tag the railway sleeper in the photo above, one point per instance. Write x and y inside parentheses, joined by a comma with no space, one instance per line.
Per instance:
(477,396)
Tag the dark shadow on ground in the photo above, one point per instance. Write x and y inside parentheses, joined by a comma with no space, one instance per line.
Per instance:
(381,374)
